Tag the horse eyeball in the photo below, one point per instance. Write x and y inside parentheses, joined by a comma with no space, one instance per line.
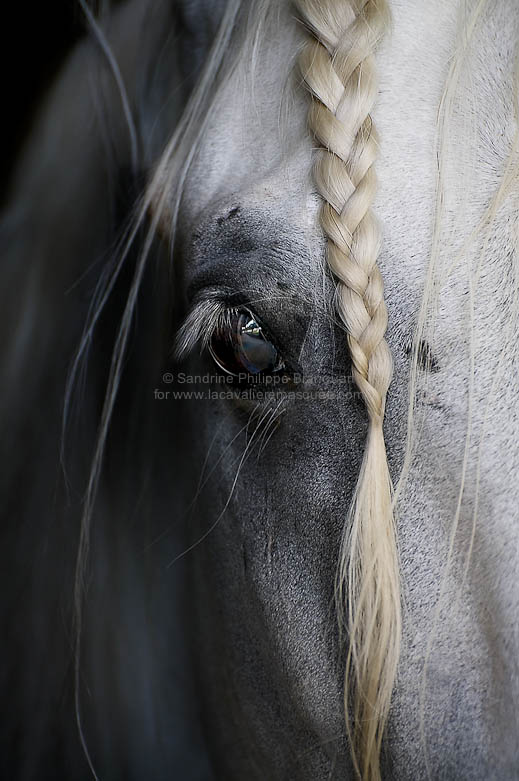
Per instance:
(240,346)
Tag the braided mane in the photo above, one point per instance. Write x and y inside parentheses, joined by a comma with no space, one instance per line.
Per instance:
(338,67)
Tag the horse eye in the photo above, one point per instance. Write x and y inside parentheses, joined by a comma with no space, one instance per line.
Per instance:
(240,346)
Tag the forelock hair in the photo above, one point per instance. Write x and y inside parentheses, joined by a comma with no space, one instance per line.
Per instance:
(338,67)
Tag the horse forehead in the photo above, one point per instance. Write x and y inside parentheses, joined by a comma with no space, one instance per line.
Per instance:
(480,140)
(241,160)
(475,267)
(255,151)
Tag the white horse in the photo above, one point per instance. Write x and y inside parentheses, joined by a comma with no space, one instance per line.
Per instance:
(244,518)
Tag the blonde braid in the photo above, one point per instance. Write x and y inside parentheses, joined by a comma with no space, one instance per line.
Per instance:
(338,68)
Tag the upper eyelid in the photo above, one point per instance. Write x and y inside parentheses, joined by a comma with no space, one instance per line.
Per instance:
(205,315)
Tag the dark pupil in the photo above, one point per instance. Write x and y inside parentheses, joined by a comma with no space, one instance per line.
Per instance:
(243,348)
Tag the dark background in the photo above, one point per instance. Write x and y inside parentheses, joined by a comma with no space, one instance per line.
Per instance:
(38,35)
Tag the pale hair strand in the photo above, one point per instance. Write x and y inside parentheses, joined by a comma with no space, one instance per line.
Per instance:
(338,67)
